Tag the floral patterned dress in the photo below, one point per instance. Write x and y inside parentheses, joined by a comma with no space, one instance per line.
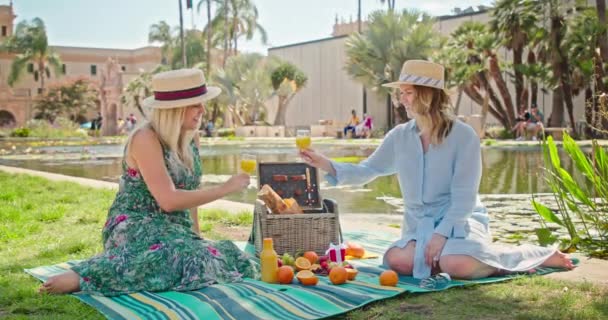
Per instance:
(148,249)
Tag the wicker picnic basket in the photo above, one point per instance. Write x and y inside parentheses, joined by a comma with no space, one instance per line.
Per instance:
(312,230)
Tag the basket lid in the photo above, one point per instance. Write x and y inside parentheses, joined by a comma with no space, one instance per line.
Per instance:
(296,180)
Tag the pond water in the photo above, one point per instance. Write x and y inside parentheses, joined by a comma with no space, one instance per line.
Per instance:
(505,170)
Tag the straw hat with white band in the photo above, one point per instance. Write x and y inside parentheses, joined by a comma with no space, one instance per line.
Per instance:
(179,88)
(420,73)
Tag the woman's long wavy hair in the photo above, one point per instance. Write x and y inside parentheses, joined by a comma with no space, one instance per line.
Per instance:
(434,111)
(167,123)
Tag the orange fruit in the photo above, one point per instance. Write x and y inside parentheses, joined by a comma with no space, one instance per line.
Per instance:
(285,275)
(355,250)
(351,273)
(311,256)
(302,264)
(389,278)
(338,275)
(307,278)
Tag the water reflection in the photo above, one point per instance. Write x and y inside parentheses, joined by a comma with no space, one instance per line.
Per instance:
(505,171)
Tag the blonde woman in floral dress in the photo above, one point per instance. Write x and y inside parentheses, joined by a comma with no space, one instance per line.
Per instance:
(151,236)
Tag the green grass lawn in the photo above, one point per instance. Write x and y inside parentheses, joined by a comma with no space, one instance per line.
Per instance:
(44,222)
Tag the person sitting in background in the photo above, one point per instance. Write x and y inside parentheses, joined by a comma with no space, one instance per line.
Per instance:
(364,129)
(209,128)
(521,122)
(352,124)
(535,123)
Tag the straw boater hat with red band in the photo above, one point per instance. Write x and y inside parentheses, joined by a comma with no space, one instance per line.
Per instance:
(420,73)
(179,88)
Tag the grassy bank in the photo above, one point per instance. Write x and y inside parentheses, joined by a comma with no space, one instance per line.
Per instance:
(44,222)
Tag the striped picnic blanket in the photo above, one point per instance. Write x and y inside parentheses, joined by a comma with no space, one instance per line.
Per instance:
(253,299)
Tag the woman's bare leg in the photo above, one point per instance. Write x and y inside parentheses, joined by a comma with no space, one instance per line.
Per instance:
(66,282)
(401,259)
(465,267)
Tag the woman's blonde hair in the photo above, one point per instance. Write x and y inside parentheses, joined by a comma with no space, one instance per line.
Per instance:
(167,124)
(433,110)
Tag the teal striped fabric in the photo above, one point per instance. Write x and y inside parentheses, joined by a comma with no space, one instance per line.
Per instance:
(258,300)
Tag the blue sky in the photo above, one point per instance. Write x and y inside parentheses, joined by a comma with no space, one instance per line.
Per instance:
(125,23)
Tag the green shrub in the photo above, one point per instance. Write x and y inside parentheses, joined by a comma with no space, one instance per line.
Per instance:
(21,133)
(226,132)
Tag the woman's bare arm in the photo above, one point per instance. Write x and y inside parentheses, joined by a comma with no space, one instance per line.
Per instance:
(147,154)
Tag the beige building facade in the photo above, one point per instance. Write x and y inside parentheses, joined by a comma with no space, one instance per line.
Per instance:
(331,93)
(16,103)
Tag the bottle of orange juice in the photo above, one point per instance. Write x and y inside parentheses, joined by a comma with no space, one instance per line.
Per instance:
(268,262)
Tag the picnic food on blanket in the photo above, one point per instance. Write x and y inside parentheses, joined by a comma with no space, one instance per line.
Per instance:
(307,278)
(302,264)
(336,252)
(276,204)
(351,273)
(268,262)
(285,275)
(287,259)
(354,249)
(338,275)
(389,278)
(311,256)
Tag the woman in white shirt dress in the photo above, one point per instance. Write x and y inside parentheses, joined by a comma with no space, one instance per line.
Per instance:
(437,160)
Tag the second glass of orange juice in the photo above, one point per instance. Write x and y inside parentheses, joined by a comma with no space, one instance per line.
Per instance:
(248,163)
(303,139)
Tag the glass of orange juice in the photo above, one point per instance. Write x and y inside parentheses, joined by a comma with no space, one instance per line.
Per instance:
(248,163)
(303,139)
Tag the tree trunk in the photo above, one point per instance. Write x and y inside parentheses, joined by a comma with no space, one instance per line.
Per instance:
(390,113)
(279,119)
(603,37)
(226,32)
(502,88)
(485,83)
(565,79)
(589,107)
(208,37)
(458,99)
(519,78)
(42,75)
(557,114)
(533,82)
(470,91)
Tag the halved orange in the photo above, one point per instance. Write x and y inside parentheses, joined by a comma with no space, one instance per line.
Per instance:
(307,278)
(351,273)
(302,264)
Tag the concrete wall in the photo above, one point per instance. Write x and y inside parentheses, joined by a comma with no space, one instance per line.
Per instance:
(330,92)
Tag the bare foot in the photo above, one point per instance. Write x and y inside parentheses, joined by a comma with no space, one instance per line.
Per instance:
(66,282)
(558,260)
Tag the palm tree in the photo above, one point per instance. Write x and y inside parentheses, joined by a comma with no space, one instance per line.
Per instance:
(557,11)
(513,21)
(195,50)
(30,42)
(140,88)
(472,63)
(161,32)
(207,30)
(390,3)
(603,37)
(375,56)
(239,18)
